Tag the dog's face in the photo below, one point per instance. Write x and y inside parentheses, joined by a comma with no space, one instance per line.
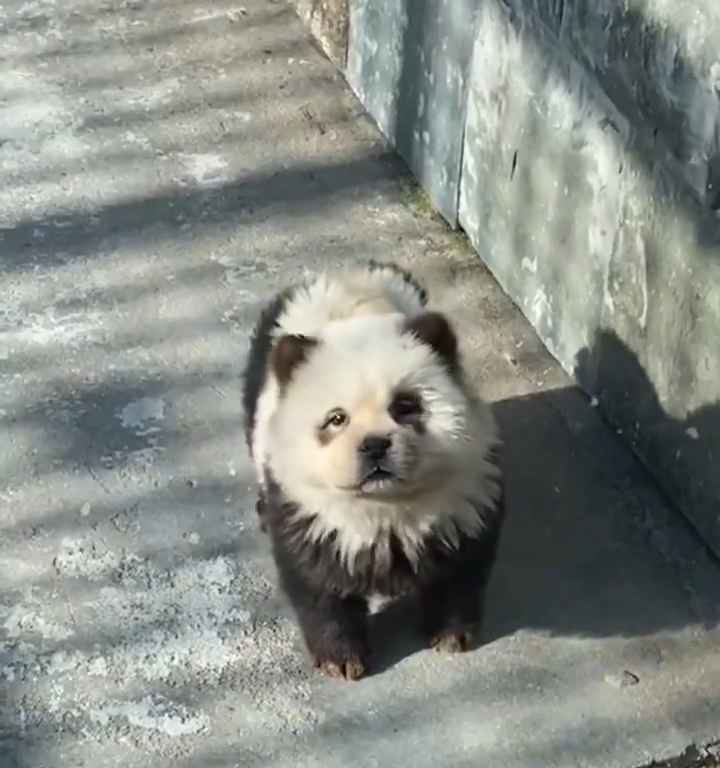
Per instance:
(371,408)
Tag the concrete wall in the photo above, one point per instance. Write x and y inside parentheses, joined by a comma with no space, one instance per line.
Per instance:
(328,22)
(577,142)
(408,63)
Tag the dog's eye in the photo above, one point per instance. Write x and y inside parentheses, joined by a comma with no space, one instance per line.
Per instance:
(405,407)
(335,419)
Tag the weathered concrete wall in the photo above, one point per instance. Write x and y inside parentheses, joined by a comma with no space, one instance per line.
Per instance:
(408,62)
(588,188)
(328,22)
(578,144)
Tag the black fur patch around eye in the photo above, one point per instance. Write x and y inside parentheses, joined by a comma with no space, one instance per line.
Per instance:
(406,408)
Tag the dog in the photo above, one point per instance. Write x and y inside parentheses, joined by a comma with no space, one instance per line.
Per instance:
(378,469)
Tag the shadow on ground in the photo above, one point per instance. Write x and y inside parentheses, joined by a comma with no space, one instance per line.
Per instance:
(589,548)
(675,449)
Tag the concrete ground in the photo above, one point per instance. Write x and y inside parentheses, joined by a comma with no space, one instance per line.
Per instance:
(165,167)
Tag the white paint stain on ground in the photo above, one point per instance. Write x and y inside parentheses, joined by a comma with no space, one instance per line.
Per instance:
(194,627)
(24,619)
(44,111)
(136,414)
(51,328)
(154,713)
(85,558)
(205,169)
(232,15)
(136,139)
(153,94)
(38,126)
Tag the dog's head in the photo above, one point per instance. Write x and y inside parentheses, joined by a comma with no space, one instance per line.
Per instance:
(372,407)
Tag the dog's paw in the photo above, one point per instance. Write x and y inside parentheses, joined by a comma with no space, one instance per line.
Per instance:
(451,641)
(352,668)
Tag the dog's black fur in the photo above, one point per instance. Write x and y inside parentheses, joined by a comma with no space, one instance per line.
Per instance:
(261,344)
(259,357)
(329,599)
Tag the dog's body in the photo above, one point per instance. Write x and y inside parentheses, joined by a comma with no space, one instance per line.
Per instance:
(377,469)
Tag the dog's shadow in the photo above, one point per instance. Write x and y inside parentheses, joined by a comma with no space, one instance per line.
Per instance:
(395,633)
(584,548)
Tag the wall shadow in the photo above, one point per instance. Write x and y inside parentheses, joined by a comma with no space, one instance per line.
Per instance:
(590,547)
(298,190)
(681,454)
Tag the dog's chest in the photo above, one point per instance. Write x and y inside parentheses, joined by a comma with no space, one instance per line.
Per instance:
(376,536)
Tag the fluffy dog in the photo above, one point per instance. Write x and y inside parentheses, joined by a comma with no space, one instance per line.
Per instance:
(377,468)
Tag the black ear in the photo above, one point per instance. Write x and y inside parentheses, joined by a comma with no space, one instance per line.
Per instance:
(433,329)
(288,353)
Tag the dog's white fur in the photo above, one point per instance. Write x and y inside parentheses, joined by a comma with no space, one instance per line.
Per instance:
(327,298)
(362,358)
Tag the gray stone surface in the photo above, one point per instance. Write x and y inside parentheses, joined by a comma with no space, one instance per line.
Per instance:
(658,62)
(588,189)
(589,184)
(408,62)
(327,20)
(164,168)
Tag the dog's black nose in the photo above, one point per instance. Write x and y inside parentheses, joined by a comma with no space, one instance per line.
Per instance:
(375,447)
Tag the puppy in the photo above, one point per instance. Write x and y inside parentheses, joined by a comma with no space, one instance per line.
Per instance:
(377,468)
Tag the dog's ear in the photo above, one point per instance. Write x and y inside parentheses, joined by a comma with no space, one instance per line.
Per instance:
(289,352)
(434,329)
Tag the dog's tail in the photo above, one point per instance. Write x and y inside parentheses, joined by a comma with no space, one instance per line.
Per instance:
(397,271)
